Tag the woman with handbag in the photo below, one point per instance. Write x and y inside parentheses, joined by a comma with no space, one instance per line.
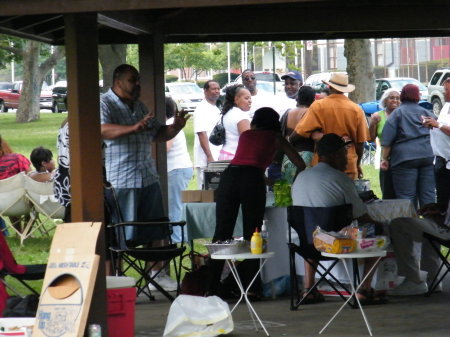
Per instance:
(243,183)
(235,118)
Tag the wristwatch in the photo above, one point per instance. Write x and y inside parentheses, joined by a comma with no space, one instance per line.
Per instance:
(440,125)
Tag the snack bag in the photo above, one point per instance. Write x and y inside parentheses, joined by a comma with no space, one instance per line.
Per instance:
(332,242)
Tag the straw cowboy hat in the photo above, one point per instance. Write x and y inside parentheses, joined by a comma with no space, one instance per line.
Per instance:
(339,81)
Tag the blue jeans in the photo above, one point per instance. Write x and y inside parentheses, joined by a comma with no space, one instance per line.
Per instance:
(414,180)
(141,204)
(177,181)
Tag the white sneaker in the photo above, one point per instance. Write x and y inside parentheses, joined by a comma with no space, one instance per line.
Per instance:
(165,282)
(408,288)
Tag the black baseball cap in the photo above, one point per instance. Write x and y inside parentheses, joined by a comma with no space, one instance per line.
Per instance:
(330,143)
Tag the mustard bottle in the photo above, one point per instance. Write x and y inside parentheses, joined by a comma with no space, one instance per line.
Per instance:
(256,243)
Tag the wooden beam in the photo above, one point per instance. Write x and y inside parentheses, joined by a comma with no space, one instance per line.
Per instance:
(151,67)
(14,7)
(85,141)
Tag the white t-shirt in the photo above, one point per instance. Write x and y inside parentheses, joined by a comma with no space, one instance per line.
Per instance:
(440,142)
(285,103)
(324,186)
(206,116)
(230,121)
(262,99)
(178,155)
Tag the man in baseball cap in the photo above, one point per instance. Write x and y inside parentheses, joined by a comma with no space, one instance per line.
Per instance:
(293,80)
(326,185)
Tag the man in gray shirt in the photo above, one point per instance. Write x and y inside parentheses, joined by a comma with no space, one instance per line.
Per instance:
(326,185)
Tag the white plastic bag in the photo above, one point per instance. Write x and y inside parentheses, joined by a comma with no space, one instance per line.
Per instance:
(198,316)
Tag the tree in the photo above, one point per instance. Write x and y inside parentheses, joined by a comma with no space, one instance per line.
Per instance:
(360,69)
(34,72)
(197,57)
(111,56)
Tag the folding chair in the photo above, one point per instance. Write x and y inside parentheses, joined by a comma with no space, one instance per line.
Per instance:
(142,257)
(44,203)
(436,243)
(368,157)
(32,272)
(13,201)
(304,221)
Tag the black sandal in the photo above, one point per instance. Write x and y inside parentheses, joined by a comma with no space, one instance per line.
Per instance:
(313,297)
(368,297)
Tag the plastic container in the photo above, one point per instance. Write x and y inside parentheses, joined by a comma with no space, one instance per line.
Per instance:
(256,243)
(235,247)
(121,300)
(264,236)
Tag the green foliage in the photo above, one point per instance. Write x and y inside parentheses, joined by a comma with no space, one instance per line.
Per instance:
(171,78)
(198,56)
(222,78)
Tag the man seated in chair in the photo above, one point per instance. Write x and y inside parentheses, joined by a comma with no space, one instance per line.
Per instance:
(404,231)
(326,185)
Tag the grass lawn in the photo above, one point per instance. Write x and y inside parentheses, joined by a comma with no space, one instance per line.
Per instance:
(24,137)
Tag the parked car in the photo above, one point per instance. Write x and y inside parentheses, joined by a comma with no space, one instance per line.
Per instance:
(266,76)
(9,98)
(315,81)
(59,99)
(436,89)
(382,84)
(5,89)
(186,95)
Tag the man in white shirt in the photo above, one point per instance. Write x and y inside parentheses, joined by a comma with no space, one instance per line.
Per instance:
(260,98)
(293,80)
(440,143)
(206,116)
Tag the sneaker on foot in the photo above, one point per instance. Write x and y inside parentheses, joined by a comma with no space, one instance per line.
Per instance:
(408,288)
(165,282)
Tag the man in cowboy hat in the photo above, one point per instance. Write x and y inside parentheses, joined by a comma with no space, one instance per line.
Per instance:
(337,114)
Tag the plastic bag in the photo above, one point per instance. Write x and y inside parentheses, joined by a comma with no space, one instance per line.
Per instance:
(282,192)
(198,316)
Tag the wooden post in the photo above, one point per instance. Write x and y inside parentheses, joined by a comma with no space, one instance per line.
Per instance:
(151,69)
(85,140)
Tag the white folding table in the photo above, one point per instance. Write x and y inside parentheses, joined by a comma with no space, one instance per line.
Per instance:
(230,260)
(348,257)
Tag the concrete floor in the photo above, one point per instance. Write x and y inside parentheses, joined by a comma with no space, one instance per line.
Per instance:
(415,316)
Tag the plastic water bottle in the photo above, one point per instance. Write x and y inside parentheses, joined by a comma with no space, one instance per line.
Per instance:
(264,236)
(95,330)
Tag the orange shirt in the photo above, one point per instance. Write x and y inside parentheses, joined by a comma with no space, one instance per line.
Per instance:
(337,114)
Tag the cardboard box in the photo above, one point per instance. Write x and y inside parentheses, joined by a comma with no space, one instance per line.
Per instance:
(198,196)
(69,281)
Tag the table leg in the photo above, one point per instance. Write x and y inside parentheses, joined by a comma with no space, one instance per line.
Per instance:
(354,293)
(244,292)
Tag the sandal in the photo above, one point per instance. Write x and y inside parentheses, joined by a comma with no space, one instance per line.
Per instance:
(313,297)
(368,297)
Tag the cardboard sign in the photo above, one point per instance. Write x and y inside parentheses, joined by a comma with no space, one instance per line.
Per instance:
(69,281)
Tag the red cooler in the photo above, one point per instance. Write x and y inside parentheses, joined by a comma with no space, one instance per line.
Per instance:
(121,297)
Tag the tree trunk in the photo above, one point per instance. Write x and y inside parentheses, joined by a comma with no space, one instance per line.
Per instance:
(360,69)
(110,57)
(33,76)
(32,82)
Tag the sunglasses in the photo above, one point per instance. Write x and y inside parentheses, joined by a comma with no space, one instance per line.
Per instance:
(249,78)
